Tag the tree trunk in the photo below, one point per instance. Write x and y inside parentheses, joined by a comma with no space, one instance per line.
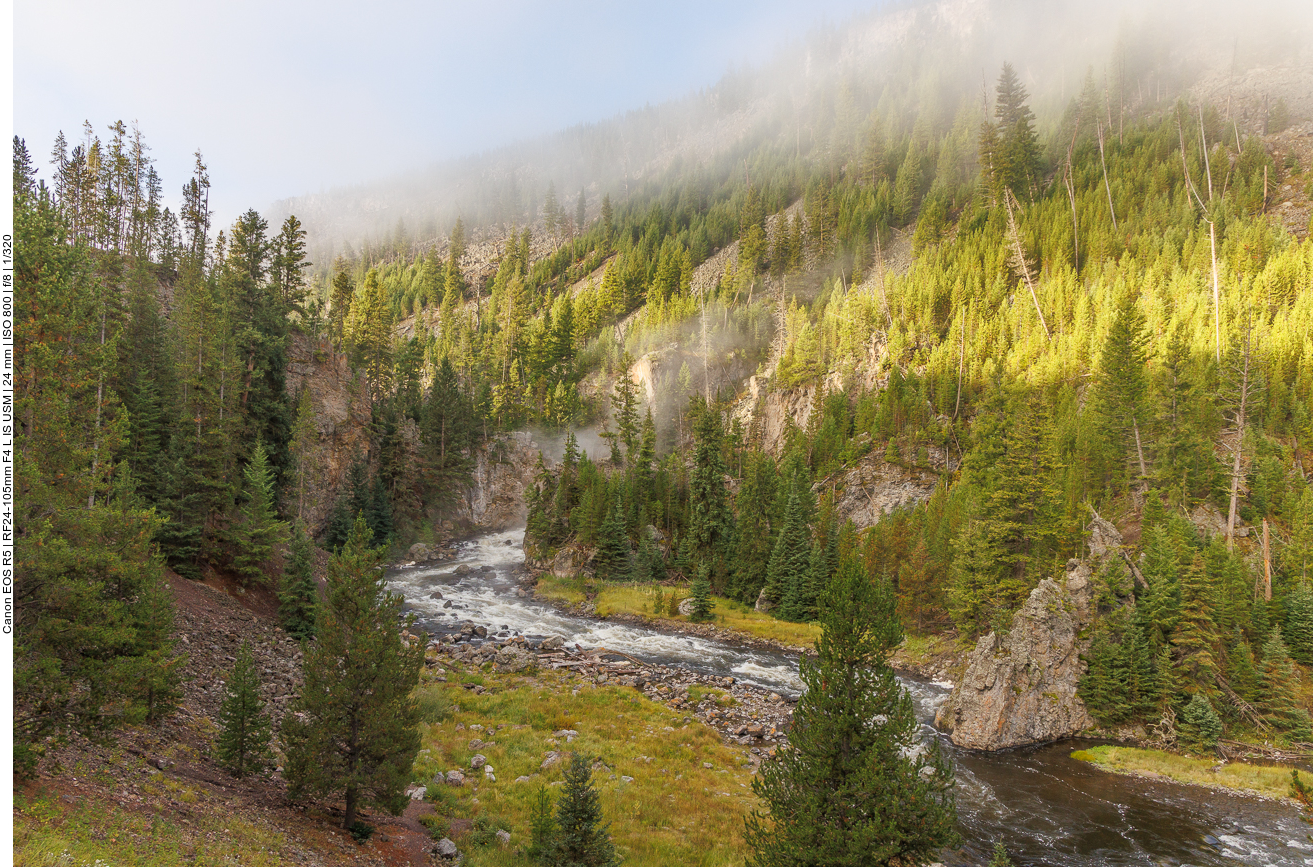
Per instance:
(1239,449)
(352,797)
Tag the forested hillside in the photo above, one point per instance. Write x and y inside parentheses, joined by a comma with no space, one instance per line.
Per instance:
(1101,306)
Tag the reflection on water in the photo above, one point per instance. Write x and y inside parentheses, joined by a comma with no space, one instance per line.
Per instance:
(1045,807)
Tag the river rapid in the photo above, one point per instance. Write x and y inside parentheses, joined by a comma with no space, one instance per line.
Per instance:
(1047,808)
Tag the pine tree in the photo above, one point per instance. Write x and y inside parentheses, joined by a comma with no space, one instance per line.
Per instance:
(856,785)
(258,529)
(710,521)
(1278,697)
(354,726)
(701,590)
(92,630)
(581,840)
(243,743)
(1199,727)
(1016,159)
(1298,627)
(790,560)
(752,551)
(612,559)
(1120,389)
(298,598)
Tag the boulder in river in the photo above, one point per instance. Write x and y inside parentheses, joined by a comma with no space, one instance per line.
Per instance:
(1020,688)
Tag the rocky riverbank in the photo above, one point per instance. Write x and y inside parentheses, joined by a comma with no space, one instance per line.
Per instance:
(742,713)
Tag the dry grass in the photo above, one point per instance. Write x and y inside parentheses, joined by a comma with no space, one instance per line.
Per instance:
(1268,781)
(674,811)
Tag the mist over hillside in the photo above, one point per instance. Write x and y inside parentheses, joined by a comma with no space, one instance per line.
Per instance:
(916,63)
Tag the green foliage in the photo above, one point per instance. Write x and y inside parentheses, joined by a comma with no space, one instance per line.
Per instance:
(542,827)
(1199,726)
(354,726)
(856,784)
(578,838)
(298,597)
(93,623)
(1000,857)
(1298,627)
(1277,688)
(701,590)
(244,735)
(258,529)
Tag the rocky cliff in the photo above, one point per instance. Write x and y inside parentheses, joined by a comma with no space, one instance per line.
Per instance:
(1020,688)
(503,470)
(340,403)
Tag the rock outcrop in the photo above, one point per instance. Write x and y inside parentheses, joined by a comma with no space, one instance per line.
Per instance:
(503,470)
(340,403)
(1020,688)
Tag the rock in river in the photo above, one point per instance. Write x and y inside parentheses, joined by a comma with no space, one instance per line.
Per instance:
(1020,688)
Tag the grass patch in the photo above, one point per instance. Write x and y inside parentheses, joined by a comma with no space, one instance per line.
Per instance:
(50,830)
(1269,781)
(641,599)
(569,591)
(674,810)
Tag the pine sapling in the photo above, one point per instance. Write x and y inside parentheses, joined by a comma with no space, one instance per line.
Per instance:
(244,735)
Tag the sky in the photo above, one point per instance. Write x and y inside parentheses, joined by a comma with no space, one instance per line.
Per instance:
(285,98)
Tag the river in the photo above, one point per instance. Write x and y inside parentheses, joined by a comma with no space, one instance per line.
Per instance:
(1047,808)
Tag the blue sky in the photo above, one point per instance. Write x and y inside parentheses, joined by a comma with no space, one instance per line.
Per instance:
(285,98)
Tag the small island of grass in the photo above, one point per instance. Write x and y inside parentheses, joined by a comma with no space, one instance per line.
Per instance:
(1266,781)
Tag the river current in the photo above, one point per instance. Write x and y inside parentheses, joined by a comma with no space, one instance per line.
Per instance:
(1047,808)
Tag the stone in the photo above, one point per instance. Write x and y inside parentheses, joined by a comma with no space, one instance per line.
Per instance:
(436,594)
(514,658)
(463,569)
(420,552)
(417,793)
(481,631)
(1020,688)
(552,642)
(455,778)
(492,778)
(504,836)
(552,758)
(625,779)
(522,779)
(477,762)
(686,606)
(446,849)
(707,765)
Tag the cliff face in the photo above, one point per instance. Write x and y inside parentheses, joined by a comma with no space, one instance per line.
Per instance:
(1020,688)
(503,471)
(340,402)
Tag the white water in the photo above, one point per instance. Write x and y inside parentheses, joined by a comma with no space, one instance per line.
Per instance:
(1045,807)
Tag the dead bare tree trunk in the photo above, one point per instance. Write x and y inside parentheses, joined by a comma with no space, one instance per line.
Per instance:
(1107,186)
(1239,446)
(1071,196)
(1267,564)
(1019,257)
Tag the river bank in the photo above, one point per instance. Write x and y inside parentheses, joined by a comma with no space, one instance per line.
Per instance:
(1261,781)
(933,658)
